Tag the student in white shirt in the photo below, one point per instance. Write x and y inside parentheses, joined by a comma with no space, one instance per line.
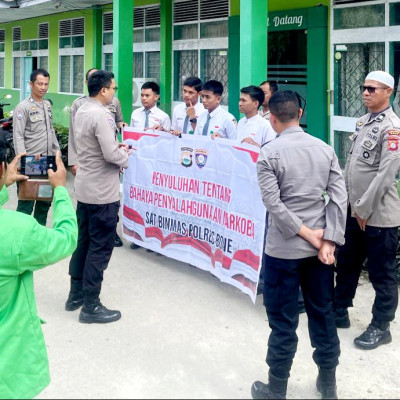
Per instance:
(253,128)
(149,116)
(216,122)
(185,114)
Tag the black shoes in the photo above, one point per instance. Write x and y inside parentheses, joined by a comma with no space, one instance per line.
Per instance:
(75,296)
(134,246)
(74,301)
(326,383)
(372,338)
(117,241)
(276,388)
(95,313)
(342,319)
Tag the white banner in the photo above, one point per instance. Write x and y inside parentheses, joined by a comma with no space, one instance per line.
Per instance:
(196,200)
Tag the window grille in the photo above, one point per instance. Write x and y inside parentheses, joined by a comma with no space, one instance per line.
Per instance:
(212,9)
(43,30)
(186,11)
(353,67)
(108,24)
(17,34)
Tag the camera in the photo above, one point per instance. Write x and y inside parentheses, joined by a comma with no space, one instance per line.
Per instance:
(37,165)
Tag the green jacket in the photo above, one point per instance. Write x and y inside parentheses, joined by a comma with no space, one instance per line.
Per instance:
(26,246)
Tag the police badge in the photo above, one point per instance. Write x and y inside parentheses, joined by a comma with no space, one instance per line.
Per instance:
(186,157)
(201,157)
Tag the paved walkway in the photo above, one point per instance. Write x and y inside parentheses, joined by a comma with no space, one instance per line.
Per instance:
(184,334)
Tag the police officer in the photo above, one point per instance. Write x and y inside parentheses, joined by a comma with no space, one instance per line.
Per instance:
(374,212)
(269,88)
(100,157)
(116,112)
(300,245)
(34,134)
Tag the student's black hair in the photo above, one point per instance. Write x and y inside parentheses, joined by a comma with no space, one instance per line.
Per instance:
(214,86)
(255,93)
(37,72)
(151,85)
(285,105)
(194,82)
(99,80)
(273,86)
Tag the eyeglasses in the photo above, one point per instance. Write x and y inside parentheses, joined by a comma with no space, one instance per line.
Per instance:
(371,89)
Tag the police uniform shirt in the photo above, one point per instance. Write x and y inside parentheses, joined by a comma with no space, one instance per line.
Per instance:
(116,112)
(294,171)
(72,154)
(99,155)
(221,122)
(257,128)
(264,114)
(179,116)
(156,117)
(33,128)
(371,169)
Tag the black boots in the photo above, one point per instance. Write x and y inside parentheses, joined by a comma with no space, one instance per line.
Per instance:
(342,319)
(326,383)
(75,297)
(94,312)
(276,388)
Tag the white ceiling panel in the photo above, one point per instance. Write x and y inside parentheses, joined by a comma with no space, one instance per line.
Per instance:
(14,10)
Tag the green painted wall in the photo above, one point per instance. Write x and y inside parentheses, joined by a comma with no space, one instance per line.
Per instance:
(234,64)
(122,59)
(317,67)
(279,5)
(29,30)
(93,56)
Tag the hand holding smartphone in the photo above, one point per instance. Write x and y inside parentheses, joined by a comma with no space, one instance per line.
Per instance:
(37,165)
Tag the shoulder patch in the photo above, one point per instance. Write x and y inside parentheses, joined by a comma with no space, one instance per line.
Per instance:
(393,139)
(111,122)
(20,114)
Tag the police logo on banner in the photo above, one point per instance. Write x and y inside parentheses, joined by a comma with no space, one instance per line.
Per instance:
(186,156)
(201,157)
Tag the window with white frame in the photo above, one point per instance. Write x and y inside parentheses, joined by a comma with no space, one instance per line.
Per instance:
(146,39)
(361,41)
(2,55)
(1,71)
(108,26)
(195,23)
(17,72)
(71,55)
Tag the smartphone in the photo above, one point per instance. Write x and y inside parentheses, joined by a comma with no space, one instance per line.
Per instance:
(37,165)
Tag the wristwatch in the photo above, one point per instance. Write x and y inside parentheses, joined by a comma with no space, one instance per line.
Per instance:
(194,120)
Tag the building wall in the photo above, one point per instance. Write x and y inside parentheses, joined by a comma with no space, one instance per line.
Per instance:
(62,101)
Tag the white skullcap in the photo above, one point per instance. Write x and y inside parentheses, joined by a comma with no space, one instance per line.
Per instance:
(382,77)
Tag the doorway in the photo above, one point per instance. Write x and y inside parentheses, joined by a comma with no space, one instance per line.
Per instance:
(287,62)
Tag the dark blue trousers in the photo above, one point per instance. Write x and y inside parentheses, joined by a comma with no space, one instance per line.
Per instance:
(97,226)
(281,290)
(379,246)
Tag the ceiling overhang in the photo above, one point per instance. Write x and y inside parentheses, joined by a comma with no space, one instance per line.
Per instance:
(14,10)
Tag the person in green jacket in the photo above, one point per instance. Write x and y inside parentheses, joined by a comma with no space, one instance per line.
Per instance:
(26,246)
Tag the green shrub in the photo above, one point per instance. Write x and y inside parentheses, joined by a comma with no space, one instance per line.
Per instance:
(62,133)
